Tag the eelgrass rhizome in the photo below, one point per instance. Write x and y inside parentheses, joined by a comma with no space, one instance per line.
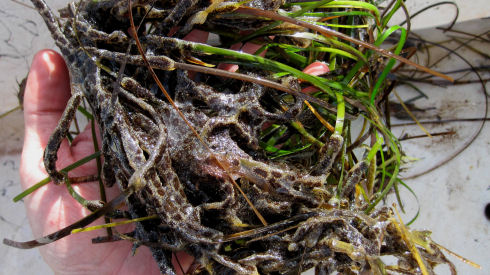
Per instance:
(251,169)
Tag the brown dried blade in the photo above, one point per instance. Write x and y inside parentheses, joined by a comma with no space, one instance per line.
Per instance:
(107,208)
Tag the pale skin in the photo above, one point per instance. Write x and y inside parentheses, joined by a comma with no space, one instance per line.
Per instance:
(51,207)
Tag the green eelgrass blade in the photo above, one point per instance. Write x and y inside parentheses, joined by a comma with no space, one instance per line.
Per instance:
(279,50)
(387,18)
(339,122)
(342,26)
(301,129)
(397,196)
(346,4)
(391,63)
(265,63)
(10,111)
(309,7)
(252,60)
(377,43)
(371,177)
(376,147)
(48,179)
(278,153)
(74,193)
(385,190)
(413,193)
(332,42)
(342,171)
(86,113)
(306,8)
(393,145)
(383,168)
(338,13)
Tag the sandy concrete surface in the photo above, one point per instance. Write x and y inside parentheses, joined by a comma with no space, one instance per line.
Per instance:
(451,198)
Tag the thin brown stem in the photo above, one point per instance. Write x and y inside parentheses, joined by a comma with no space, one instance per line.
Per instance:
(84,179)
(448,133)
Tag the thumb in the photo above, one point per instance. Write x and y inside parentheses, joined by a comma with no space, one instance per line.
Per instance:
(46,94)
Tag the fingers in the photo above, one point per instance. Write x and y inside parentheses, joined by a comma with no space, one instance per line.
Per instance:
(83,144)
(47,91)
(249,47)
(316,68)
(231,67)
(182,262)
(197,36)
(46,94)
(202,37)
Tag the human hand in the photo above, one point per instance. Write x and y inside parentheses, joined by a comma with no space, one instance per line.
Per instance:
(51,207)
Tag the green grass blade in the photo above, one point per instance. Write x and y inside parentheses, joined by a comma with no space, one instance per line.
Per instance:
(332,42)
(416,198)
(345,4)
(394,146)
(48,179)
(10,111)
(391,62)
(74,193)
(339,122)
(86,113)
(264,30)
(339,13)
(265,64)
(387,18)
(376,147)
(364,26)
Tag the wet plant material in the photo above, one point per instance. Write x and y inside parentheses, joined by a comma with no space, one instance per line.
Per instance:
(253,171)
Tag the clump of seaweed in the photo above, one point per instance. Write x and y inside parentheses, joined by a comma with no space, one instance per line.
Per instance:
(252,171)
